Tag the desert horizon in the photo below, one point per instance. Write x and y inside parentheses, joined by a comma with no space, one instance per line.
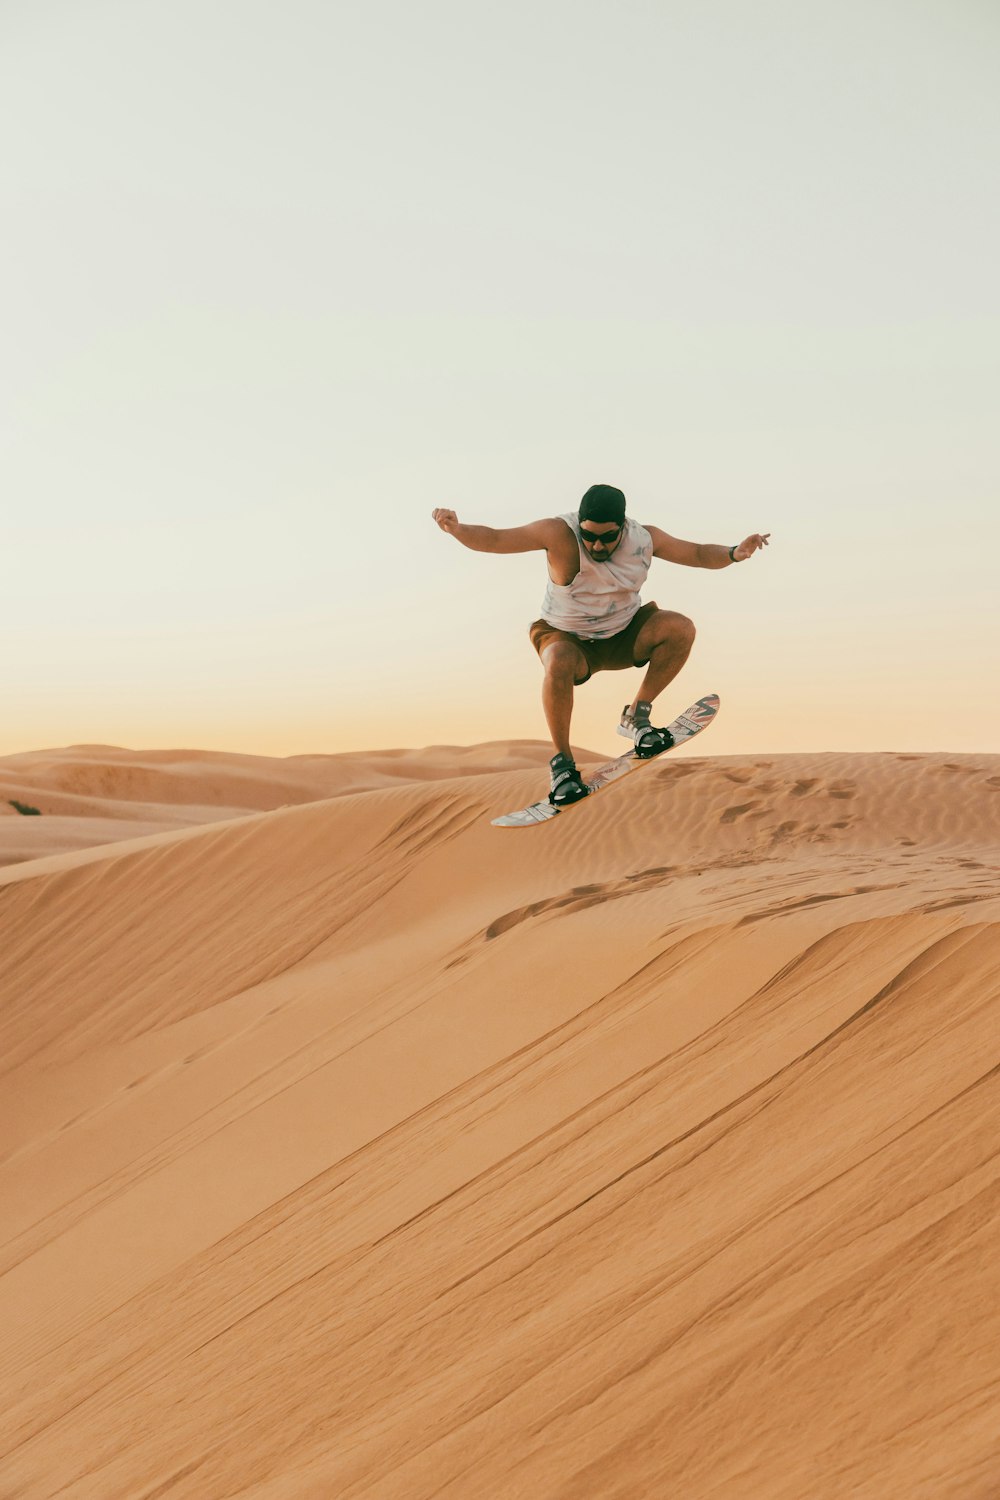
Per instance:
(356,1147)
(99,794)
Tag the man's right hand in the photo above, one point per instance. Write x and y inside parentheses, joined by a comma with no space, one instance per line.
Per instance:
(446,519)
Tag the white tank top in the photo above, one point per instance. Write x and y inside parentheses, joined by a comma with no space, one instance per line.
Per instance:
(603,596)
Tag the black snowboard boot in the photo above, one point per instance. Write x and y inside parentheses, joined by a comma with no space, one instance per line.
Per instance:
(637,728)
(567,783)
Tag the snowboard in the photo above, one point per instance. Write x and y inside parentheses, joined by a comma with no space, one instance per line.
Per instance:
(691,722)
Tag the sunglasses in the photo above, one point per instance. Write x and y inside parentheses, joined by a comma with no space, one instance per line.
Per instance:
(607,537)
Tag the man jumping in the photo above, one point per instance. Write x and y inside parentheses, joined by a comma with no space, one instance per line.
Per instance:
(592,617)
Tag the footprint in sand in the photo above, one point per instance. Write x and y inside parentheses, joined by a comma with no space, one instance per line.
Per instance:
(732,813)
(676,772)
(578,899)
(803,788)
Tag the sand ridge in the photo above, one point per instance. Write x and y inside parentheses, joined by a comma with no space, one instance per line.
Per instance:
(360,1148)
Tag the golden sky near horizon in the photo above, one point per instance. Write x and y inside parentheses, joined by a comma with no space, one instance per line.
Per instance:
(280,282)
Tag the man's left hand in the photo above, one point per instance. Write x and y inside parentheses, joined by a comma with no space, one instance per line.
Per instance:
(749,547)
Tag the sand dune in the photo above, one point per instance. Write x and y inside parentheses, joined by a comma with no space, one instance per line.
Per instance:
(98,794)
(360,1149)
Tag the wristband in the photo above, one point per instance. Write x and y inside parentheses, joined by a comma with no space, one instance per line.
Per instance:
(732,551)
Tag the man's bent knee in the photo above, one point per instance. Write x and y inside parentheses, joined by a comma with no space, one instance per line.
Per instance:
(565,662)
(666,628)
(670,625)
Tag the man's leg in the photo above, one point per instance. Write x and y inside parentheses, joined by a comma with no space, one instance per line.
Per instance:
(564,665)
(665,641)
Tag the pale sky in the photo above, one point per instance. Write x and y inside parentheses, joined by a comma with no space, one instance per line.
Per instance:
(280,278)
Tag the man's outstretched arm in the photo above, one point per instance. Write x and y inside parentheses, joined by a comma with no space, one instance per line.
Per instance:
(704,554)
(539,536)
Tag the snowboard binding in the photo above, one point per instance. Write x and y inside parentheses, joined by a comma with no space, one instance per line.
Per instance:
(647,739)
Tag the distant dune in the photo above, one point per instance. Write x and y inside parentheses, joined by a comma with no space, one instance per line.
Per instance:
(100,794)
(360,1149)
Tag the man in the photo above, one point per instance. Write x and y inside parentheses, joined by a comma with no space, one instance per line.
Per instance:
(592,617)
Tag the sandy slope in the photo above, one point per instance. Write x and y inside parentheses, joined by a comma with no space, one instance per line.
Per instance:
(361,1149)
(98,794)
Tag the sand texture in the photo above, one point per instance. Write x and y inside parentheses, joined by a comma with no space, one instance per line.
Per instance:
(360,1149)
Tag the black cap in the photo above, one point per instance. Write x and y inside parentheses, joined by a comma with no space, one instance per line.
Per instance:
(603,503)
